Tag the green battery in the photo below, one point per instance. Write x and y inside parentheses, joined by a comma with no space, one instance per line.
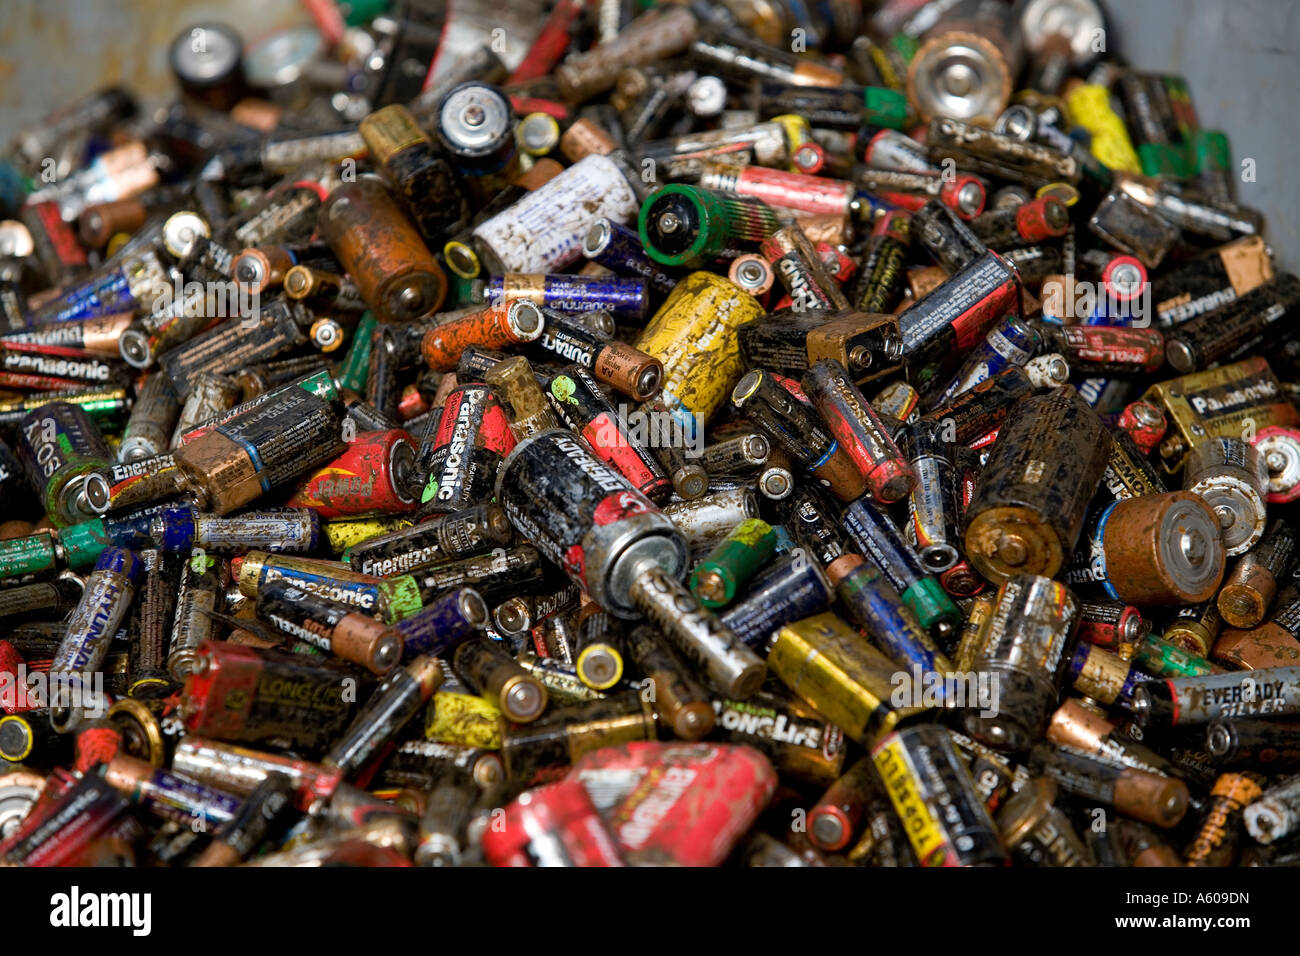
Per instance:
(734,560)
(356,364)
(1163,159)
(684,225)
(30,555)
(886,107)
(1159,658)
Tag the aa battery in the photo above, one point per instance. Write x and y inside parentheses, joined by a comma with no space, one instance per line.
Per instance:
(732,562)
(947,823)
(545,230)
(586,410)
(1080,728)
(681,704)
(1025,647)
(879,283)
(110,589)
(1109,624)
(615,364)
(586,517)
(879,539)
(798,431)
(873,603)
(834,669)
(838,816)
(170,795)
(1152,798)
(1239,744)
(984,152)
(242,694)
(792,588)
(60,446)
(443,624)
(799,268)
(619,249)
(696,633)
(486,667)
(1011,342)
(382,251)
(1178,702)
(1219,836)
(499,326)
(598,649)
(1029,503)
(495,576)
(949,240)
(391,598)
(625,299)
(261,813)
(390,708)
(440,539)
(516,383)
(333,627)
(1253,323)
(1231,476)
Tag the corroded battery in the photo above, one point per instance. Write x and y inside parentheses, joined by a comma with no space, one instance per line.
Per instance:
(382,251)
(587,518)
(60,447)
(833,668)
(1026,648)
(1218,403)
(932,792)
(1254,323)
(1210,281)
(866,344)
(1153,550)
(439,539)
(545,230)
(1248,591)
(693,335)
(1029,504)
(1037,832)
(1232,478)
(1184,701)
(472,440)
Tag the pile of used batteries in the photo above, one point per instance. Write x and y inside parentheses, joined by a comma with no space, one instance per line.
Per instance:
(703,433)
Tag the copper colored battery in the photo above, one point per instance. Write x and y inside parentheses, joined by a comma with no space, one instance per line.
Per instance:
(1146,847)
(659,33)
(837,817)
(752,273)
(584,138)
(1029,503)
(1081,727)
(1249,590)
(494,327)
(1220,833)
(261,268)
(1157,552)
(101,222)
(1269,645)
(1145,423)
(382,251)
(371,477)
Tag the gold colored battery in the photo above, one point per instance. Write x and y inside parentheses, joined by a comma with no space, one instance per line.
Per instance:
(487,667)
(972,635)
(382,251)
(694,335)
(1102,675)
(833,668)
(1217,404)
(1089,106)
(464,719)
(1030,501)
(1195,627)
(531,412)
(568,733)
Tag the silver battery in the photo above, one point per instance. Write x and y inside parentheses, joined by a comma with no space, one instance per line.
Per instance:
(1233,479)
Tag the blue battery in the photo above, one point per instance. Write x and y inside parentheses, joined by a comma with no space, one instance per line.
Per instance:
(626,299)
(619,249)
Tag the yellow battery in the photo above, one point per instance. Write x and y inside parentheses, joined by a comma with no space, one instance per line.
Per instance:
(346,533)
(1089,106)
(465,719)
(972,635)
(797,132)
(833,668)
(694,335)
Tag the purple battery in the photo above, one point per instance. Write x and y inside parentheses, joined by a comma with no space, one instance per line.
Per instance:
(619,249)
(626,299)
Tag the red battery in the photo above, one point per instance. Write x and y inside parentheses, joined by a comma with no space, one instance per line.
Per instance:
(14,698)
(554,825)
(369,478)
(1117,346)
(798,191)
(1124,278)
(551,43)
(495,327)
(1108,624)
(681,804)
(1036,222)
(1145,423)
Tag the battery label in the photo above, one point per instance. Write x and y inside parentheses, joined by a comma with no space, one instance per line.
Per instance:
(900,779)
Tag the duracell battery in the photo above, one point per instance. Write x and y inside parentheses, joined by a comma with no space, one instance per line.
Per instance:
(335,628)
(1204,284)
(1253,323)
(1150,797)
(1029,503)
(489,669)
